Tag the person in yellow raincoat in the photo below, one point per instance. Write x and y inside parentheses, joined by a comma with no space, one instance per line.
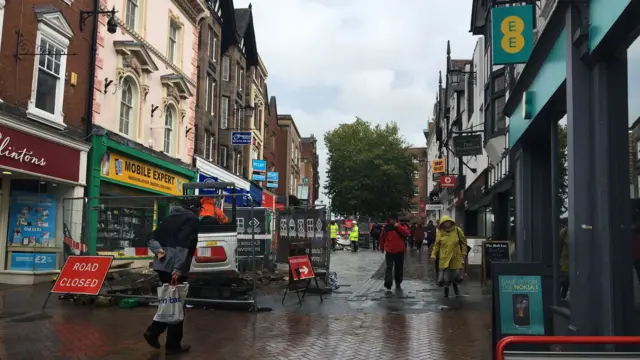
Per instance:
(450,249)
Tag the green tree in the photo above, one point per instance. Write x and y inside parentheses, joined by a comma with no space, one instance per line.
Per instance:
(370,172)
(563,187)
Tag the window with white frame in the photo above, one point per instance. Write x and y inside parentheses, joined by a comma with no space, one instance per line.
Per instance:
(233,162)
(225,68)
(255,153)
(210,94)
(207,145)
(213,43)
(239,75)
(47,94)
(174,30)
(224,112)
(239,166)
(223,156)
(128,106)
(169,122)
(131,16)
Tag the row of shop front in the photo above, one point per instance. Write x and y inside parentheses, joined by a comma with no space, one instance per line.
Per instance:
(62,196)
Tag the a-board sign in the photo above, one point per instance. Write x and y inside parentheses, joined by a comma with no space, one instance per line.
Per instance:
(300,267)
(82,275)
(522,296)
(492,252)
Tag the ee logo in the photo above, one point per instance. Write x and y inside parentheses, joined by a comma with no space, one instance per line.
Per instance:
(512,28)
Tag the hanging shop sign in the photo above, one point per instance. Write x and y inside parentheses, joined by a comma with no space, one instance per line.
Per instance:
(259,165)
(30,153)
(434,198)
(272,179)
(241,138)
(512,32)
(437,166)
(268,200)
(136,173)
(434,207)
(448,181)
(467,145)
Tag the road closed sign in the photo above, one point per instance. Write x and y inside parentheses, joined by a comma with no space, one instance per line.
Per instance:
(300,267)
(82,275)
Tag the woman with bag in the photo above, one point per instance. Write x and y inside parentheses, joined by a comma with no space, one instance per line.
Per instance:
(450,249)
(174,242)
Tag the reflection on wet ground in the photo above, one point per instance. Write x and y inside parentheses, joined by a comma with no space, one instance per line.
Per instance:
(363,321)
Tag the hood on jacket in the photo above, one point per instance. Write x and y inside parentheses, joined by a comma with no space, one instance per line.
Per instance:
(446,218)
(179,210)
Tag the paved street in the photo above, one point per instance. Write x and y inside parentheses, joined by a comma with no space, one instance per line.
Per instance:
(360,321)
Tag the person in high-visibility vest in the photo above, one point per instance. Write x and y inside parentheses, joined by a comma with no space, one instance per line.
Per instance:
(333,234)
(209,208)
(354,235)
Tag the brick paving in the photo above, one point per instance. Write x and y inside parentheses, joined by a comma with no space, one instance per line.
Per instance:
(416,326)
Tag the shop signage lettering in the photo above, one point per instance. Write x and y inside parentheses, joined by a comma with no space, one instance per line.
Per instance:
(131,172)
(24,155)
(437,166)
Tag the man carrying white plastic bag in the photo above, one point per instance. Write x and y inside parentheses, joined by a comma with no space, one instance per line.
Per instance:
(173,243)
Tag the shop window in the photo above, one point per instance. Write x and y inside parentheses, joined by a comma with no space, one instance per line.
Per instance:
(128,106)
(35,229)
(125,223)
(50,67)
(633,93)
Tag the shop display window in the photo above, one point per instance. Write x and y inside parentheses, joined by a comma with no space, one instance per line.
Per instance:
(34,225)
(124,222)
(633,80)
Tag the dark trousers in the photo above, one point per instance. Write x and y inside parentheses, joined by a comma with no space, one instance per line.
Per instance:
(174,331)
(564,284)
(333,243)
(394,268)
(375,240)
(436,266)
(354,245)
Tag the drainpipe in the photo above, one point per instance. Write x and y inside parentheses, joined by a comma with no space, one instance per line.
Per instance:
(92,72)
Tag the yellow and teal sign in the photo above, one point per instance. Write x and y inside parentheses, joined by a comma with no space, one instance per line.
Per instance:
(512,30)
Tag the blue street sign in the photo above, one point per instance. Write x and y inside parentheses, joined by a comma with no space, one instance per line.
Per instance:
(272,176)
(257,177)
(272,185)
(259,166)
(241,138)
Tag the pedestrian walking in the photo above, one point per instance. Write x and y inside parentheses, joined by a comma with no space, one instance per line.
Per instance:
(392,242)
(333,232)
(376,231)
(418,236)
(173,244)
(354,236)
(451,249)
(436,263)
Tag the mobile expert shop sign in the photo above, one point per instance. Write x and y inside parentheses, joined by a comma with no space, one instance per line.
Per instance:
(125,170)
(512,31)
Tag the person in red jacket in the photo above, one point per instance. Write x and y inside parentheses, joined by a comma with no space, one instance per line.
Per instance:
(392,241)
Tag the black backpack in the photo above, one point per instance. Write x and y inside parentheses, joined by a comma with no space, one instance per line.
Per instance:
(376,230)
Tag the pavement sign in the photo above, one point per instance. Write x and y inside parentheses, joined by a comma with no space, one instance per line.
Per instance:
(301,267)
(82,275)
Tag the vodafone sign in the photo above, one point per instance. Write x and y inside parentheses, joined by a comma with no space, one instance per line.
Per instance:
(448,181)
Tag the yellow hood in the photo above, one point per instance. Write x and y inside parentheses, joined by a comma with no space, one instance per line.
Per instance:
(446,218)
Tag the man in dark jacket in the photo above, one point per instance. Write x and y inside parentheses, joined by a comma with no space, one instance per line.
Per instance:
(174,242)
(392,241)
(431,233)
(376,231)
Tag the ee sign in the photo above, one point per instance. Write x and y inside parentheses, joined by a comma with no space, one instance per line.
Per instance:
(512,31)
(448,181)
(437,166)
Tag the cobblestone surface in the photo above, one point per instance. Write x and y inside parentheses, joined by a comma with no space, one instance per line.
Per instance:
(420,325)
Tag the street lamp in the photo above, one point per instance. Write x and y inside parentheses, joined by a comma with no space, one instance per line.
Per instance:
(455,76)
(112,24)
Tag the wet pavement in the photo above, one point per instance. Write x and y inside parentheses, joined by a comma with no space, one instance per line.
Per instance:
(360,321)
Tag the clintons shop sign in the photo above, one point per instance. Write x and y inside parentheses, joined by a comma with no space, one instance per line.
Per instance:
(29,153)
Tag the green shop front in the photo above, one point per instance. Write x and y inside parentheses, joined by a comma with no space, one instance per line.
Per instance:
(130,189)
(583,75)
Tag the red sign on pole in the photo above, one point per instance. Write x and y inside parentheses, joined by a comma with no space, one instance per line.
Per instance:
(348,223)
(448,181)
(82,275)
(300,267)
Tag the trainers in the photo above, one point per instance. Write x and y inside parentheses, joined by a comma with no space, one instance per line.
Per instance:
(182,349)
(152,340)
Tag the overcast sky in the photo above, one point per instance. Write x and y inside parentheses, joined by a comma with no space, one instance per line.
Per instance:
(332,60)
